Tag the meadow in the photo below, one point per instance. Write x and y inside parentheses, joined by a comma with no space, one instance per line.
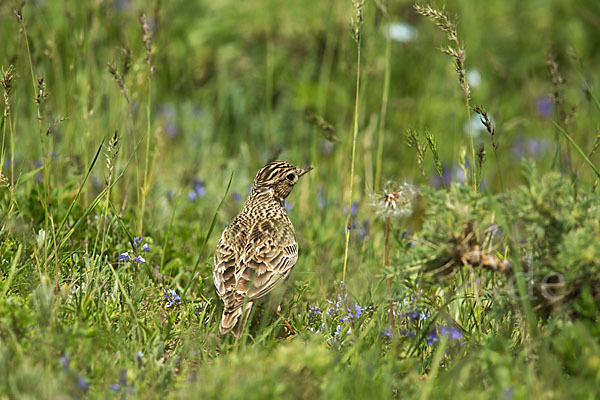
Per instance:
(448,234)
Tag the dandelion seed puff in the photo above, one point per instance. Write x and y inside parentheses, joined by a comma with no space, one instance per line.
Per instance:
(395,201)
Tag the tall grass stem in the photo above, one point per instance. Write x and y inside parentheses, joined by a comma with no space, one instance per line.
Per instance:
(354,139)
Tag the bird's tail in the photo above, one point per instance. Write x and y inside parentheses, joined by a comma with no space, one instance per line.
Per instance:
(234,321)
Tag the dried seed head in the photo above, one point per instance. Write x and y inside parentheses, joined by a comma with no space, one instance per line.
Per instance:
(486,121)
(456,49)
(6,81)
(112,149)
(481,155)
(119,80)
(395,201)
(357,19)
(147,43)
(53,125)
(41,94)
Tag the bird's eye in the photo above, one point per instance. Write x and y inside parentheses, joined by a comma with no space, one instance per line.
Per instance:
(290,177)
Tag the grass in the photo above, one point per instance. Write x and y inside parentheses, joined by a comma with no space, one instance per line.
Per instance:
(132,131)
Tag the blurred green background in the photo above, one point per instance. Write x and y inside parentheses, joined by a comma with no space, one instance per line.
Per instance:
(234,85)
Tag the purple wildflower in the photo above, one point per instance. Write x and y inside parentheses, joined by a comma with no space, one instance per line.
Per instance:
(171,130)
(198,190)
(199,187)
(353,209)
(236,196)
(535,146)
(83,383)
(139,260)
(145,247)
(137,241)
(287,205)
(201,305)
(124,257)
(314,310)
(544,107)
(171,297)
(114,387)
(407,333)
(433,338)
(454,333)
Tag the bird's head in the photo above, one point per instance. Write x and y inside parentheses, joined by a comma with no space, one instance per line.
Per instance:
(280,176)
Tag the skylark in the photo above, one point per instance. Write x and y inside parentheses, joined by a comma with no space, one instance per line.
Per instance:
(258,248)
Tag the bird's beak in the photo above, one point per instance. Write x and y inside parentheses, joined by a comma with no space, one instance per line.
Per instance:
(302,171)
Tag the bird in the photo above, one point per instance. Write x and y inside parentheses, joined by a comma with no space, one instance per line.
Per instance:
(258,249)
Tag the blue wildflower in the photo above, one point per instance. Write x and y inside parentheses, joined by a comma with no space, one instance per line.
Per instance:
(137,241)
(535,146)
(200,306)
(236,196)
(198,190)
(114,387)
(172,297)
(145,247)
(414,315)
(123,380)
(544,107)
(433,338)
(287,205)
(454,333)
(495,229)
(314,310)
(444,331)
(363,229)
(358,310)
(407,333)
(353,209)
(508,393)
(387,333)
(83,383)
(171,130)
(124,257)
(64,361)
(338,330)
(139,260)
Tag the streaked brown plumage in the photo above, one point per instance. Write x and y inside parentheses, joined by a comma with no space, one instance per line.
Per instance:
(258,248)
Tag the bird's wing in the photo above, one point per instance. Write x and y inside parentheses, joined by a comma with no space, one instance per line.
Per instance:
(271,252)
(224,266)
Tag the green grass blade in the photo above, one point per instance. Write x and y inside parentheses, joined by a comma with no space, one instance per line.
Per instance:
(579,150)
